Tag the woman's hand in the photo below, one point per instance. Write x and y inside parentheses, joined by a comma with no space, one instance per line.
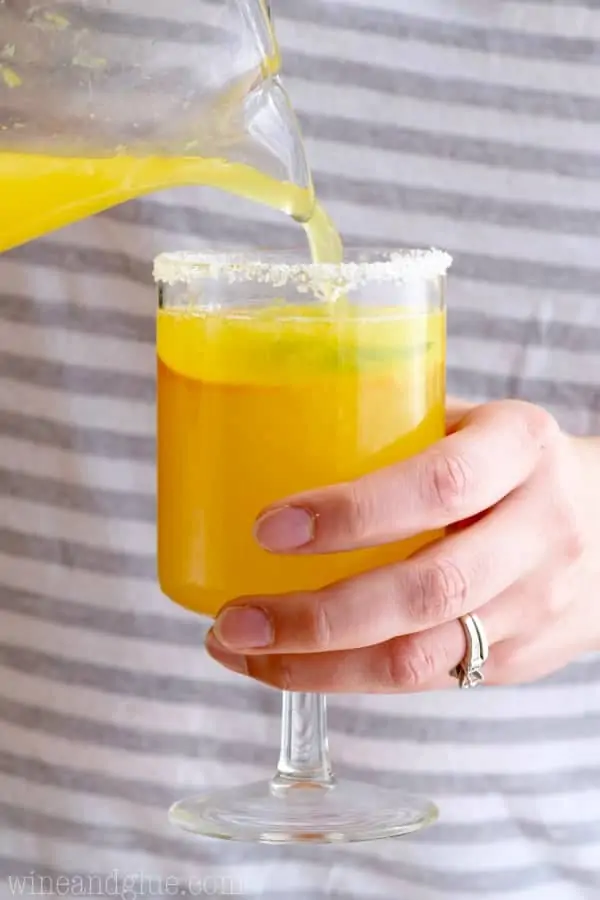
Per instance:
(522,502)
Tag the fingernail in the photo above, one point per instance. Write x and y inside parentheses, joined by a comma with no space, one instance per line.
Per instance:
(287,528)
(222,655)
(244,628)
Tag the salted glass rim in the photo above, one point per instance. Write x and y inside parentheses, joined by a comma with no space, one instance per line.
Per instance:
(278,268)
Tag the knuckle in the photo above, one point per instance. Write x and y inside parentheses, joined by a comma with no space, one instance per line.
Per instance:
(355,513)
(565,518)
(552,605)
(321,624)
(410,665)
(274,671)
(440,593)
(573,541)
(541,427)
(284,674)
(448,480)
(571,531)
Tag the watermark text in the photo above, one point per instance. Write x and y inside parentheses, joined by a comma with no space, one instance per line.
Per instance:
(124,887)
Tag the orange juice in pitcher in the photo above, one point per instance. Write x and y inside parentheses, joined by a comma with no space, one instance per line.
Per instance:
(98,107)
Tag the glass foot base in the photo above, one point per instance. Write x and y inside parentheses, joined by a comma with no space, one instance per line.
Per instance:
(303,812)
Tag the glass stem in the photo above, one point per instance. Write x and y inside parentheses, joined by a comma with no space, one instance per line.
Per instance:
(304,752)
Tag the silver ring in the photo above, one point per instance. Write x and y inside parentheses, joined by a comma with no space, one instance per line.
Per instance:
(469,672)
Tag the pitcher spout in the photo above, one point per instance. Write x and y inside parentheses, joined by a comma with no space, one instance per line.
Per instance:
(273,143)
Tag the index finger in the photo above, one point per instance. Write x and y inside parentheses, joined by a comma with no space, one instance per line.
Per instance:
(494,451)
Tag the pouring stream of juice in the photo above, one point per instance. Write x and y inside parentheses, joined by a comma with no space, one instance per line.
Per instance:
(39,194)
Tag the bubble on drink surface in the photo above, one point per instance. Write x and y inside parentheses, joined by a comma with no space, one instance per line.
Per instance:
(322,280)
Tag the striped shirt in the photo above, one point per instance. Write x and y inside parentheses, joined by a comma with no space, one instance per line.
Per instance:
(473,125)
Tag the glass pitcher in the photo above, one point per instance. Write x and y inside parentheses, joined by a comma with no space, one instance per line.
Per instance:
(105,100)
